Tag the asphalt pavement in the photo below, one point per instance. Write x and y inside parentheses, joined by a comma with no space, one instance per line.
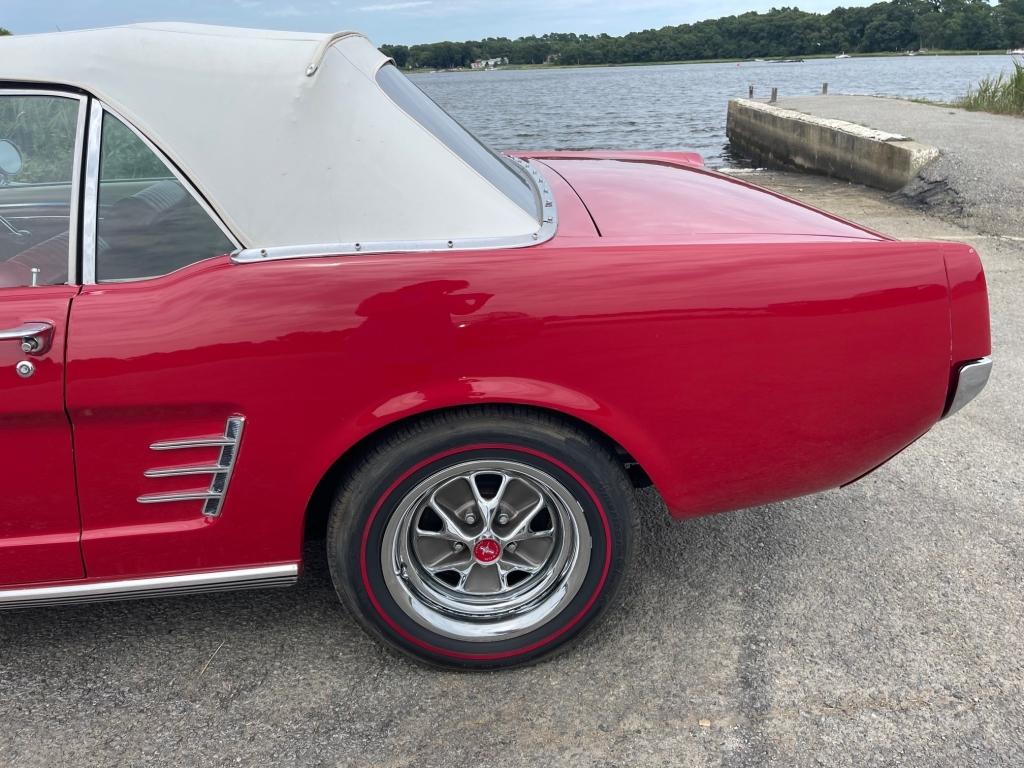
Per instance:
(881,625)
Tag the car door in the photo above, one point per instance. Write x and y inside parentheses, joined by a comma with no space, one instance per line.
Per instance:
(154,453)
(40,154)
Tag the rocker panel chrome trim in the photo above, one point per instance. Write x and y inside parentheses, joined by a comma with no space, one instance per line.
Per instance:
(547,229)
(211,581)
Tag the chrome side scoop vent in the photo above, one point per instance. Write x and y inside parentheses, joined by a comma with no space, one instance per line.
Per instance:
(213,495)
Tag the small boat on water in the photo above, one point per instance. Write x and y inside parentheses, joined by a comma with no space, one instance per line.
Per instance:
(844,55)
(1016,52)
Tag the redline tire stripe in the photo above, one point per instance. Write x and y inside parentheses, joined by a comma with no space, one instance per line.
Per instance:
(502,654)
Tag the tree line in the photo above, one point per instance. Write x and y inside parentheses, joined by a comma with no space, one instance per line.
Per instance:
(899,25)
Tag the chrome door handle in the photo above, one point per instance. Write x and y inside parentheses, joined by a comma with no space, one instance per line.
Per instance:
(35,338)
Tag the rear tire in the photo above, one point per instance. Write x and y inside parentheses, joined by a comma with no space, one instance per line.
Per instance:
(482,538)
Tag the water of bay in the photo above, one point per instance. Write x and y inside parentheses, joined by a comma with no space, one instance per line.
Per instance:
(678,106)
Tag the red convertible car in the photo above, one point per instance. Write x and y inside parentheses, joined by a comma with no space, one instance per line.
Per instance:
(253,280)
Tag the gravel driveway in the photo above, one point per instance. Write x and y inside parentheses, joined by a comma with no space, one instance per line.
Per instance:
(879,625)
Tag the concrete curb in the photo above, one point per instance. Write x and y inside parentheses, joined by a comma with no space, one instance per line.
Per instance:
(837,148)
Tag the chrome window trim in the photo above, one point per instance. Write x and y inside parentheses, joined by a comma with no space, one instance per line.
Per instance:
(90,203)
(970,380)
(92,179)
(548,227)
(76,191)
(76,168)
(210,581)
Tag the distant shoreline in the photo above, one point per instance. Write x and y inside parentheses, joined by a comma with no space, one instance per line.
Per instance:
(795,59)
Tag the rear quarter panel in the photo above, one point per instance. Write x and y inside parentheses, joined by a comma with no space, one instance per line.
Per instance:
(735,373)
(968,298)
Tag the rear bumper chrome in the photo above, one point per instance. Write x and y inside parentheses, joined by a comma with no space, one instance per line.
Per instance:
(968,383)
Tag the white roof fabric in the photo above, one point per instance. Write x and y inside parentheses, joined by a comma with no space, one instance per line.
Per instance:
(283,157)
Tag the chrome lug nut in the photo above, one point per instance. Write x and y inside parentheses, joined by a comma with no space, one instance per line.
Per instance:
(470,519)
(511,547)
(502,519)
(457,546)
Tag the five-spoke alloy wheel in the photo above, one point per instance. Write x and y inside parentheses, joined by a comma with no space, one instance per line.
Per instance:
(482,539)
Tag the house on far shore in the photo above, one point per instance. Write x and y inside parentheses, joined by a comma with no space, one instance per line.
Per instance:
(489,63)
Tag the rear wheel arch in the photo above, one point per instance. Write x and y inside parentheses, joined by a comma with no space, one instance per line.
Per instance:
(321,499)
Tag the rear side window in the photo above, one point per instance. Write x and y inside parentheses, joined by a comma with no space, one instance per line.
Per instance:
(149,223)
(500,171)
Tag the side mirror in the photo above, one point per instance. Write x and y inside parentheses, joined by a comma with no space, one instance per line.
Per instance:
(10,158)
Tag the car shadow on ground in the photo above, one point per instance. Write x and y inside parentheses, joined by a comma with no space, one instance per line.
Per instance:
(675,562)
(762,632)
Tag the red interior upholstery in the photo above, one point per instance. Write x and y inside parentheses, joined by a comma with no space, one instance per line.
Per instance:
(50,256)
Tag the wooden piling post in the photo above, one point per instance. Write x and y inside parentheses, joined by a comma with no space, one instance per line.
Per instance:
(775,95)
(751,89)
(824,89)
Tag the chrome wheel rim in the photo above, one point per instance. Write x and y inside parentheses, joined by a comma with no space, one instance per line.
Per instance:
(486,550)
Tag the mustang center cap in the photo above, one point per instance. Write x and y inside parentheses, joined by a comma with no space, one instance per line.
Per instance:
(487,550)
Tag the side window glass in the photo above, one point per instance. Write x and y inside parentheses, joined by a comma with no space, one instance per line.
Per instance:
(148,223)
(37,157)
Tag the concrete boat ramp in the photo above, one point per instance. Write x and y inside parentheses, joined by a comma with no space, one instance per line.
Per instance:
(968,166)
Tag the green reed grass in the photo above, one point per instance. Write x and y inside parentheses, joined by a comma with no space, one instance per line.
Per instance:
(1003,95)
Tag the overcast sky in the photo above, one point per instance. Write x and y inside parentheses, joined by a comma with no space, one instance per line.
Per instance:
(389,21)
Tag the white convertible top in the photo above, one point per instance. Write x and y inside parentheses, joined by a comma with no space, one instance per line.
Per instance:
(287,135)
